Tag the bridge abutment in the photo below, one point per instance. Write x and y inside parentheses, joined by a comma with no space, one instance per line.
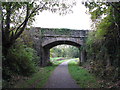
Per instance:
(44,56)
(82,56)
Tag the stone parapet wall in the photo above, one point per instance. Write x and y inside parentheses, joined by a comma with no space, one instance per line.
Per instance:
(64,32)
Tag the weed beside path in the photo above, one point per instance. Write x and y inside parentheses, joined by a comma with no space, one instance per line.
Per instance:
(38,79)
(83,78)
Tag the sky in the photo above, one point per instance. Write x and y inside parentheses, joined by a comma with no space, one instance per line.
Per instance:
(77,20)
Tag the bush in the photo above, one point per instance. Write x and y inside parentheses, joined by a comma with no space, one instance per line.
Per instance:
(20,60)
(49,64)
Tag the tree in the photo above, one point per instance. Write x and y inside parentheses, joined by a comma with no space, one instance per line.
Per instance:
(73,52)
(103,44)
(17,16)
(65,51)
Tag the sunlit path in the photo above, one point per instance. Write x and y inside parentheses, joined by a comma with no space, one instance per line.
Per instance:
(61,78)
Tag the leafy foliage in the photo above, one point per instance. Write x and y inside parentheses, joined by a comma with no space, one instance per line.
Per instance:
(103,44)
(54,31)
(16,16)
(70,52)
(22,60)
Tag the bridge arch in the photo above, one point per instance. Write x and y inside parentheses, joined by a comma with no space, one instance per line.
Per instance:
(53,43)
(44,39)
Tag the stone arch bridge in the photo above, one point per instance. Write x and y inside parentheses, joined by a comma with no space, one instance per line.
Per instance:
(45,38)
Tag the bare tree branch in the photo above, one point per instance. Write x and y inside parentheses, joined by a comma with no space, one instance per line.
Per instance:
(27,17)
(23,24)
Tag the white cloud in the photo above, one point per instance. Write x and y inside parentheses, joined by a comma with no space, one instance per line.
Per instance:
(77,20)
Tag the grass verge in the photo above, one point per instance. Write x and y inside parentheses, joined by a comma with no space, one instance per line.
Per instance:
(83,78)
(38,79)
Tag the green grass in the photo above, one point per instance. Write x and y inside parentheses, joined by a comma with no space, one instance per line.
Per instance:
(59,62)
(55,62)
(38,79)
(55,58)
(83,78)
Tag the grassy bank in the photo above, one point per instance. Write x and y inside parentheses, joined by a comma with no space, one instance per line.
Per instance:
(39,79)
(83,78)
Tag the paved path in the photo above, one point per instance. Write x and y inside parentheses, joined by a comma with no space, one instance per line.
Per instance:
(60,78)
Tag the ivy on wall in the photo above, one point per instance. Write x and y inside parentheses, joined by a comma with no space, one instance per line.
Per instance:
(55,31)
